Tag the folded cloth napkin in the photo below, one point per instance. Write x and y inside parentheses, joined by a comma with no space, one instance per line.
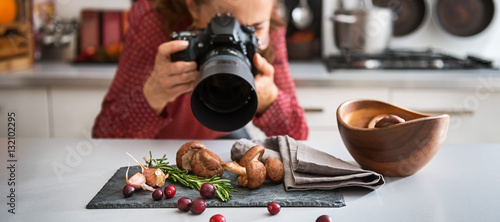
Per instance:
(307,168)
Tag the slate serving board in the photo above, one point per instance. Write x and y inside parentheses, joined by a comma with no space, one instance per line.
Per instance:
(111,196)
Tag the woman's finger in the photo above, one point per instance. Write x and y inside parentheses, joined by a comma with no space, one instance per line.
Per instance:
(182,67)
(262,65)
(168,48)
(173,80)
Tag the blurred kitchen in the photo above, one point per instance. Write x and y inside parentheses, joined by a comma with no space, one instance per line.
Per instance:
(58,58)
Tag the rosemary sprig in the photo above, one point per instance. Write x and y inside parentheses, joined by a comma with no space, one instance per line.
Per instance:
(223,187)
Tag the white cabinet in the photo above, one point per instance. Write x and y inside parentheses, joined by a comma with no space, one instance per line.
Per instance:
(475,115)
(31,112)
(321,103)
(75,109)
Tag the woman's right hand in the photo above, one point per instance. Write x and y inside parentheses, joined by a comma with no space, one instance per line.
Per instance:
(169,79)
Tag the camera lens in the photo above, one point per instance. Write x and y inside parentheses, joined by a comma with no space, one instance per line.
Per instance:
(224,99)
(225,93)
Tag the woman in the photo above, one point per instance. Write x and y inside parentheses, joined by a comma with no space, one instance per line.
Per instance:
(150,94)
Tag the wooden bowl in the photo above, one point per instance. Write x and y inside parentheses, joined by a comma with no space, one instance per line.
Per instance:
(398,150)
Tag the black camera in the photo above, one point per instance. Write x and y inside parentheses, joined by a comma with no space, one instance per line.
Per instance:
(224,98)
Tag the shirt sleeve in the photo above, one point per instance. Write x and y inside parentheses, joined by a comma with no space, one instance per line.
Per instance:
(285,116)
(125,112)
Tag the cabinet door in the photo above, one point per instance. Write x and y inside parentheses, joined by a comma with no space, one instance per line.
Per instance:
(31,112)
(474,114)
(75,110)
(320,105)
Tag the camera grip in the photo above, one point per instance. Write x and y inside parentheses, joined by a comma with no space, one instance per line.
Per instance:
(188,54)
(181,56)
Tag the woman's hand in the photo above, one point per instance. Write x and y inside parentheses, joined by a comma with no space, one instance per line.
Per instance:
(267,91)
(169,79)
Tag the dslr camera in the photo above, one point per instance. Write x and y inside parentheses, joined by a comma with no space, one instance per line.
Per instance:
(224,98)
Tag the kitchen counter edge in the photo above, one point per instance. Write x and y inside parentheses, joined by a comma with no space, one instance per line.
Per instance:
(305,73)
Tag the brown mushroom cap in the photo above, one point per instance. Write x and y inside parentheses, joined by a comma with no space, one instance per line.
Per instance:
(185,153)
(274,169)
(254,153)
(256,174)
(206,163)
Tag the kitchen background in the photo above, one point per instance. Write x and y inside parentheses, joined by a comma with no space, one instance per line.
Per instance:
(336,56)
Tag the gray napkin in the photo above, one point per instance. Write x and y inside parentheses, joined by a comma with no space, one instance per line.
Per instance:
(307,168)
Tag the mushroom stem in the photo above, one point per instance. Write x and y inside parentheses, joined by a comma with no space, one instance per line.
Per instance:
(235,168)
(251,176)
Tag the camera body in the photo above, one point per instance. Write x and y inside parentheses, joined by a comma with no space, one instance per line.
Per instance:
(223,31)
(224,98)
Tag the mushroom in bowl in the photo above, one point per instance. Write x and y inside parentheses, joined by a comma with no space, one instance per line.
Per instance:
(402,142)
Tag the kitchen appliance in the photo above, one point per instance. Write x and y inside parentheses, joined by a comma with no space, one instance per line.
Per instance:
(58,40)
(366,29)
(431,28)
(406,59)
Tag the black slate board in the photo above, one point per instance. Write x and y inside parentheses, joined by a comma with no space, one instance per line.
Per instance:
(111,197)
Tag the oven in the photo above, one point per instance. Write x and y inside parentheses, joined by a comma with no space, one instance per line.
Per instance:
(427,34)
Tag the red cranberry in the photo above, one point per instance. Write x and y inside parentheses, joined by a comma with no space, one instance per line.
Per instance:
(157,194)
(128,190)
(217,218)
(183,204)
(198,206)
(207,190)
(273,208)
(170,191)
(324,218)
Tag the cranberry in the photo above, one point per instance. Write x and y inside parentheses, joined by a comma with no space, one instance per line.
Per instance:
(218,218)
(198,206)
(324,218)
(128,190)
(157,194)
(170,191)
(184,203)
(207,190)
(273,208)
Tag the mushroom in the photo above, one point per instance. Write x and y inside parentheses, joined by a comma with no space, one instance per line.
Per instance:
(252,175)
(384,120)
(206,163)
(274,169)
(185,153)
(254,153)
(389,120)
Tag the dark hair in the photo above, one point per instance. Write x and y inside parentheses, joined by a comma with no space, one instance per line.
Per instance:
(176,17)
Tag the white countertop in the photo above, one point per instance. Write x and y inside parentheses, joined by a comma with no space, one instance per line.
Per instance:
(305,73)
(460,184)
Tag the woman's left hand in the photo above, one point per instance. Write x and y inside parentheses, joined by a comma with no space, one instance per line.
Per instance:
(267,91)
